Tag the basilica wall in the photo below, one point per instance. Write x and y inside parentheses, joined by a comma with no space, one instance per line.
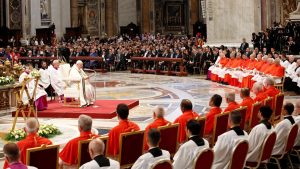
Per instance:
(230,21)
(127,12)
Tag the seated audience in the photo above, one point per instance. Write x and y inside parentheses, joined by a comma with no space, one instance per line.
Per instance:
(258,91)
(187,152)
(12,156)
(69,154)
(99,161)
(214,103)
(186,107)
(282,129)
(154,153)
(259,133)
(159,120)
(124,126)
(232,104)
(247,101)
(32,140)
(227,141)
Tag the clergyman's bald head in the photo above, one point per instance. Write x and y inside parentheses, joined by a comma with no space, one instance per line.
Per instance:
(96,147)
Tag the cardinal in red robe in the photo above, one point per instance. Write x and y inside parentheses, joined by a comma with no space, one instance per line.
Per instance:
(159,121)
(214,103)
(32,140)
(232,104)
(69,154)
(246,102)
(187,114)
(124,126)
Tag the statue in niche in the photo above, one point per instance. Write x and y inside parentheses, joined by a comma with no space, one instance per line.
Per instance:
(44,9)
(297,11)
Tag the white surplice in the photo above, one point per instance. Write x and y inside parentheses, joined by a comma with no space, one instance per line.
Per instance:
(256,138)
(94,165)
(224,148)
(282,130)
(45,78)
(146,160)
(55,80)
(87,91)
(40,91)
(186,154)
(297,121)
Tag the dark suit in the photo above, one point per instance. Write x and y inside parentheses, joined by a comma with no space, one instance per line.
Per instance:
(244,46)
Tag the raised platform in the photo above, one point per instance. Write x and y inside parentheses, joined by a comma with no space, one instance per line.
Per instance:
(102,109)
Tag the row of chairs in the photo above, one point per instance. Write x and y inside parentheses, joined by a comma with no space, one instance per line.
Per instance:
(221,120)
(129,152)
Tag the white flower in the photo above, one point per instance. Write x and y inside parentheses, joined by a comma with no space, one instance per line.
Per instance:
(16,136)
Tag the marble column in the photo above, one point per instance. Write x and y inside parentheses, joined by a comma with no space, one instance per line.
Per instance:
(194,14)
(145,20)
(111,11)
(228,22)
(74,13)
(127,12)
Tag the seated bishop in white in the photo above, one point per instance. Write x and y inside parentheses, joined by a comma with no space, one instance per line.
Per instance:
(87,91)
(259,133)
(55,78)
(283,128)
(96,151)
(297,121)
(227,141)
(188,151)
(154,153)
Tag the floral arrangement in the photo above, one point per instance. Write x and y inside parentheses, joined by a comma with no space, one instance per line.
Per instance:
(45,130)
(6,80)
(34,73)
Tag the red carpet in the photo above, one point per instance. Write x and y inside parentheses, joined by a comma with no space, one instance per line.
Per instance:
(102,109)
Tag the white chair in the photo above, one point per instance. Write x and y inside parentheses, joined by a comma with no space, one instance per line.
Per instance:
(71,91)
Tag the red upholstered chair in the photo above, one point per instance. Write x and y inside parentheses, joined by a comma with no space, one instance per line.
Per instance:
(266,151)
(220,126)
(269,102)
(278,107)
(131,148)
(239,155)
(83,150)
(204,159)
(288,146)
(162,164)
(202,121)
(45,157)
(169,138)
(254,120)
(243,111)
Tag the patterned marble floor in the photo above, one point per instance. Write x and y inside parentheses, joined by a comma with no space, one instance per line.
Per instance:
(150,90)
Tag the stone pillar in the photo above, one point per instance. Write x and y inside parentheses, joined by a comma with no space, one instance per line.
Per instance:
(26,12)
(193,13)
(74,13)
(147,16)
(230,21)
(111,17)
(263,14)
(127,12)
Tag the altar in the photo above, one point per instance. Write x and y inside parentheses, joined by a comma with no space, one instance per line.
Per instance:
(7,97)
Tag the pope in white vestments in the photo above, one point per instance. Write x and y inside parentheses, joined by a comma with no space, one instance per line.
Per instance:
(87,91)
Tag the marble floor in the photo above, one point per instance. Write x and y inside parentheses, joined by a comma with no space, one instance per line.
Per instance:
(150,90)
